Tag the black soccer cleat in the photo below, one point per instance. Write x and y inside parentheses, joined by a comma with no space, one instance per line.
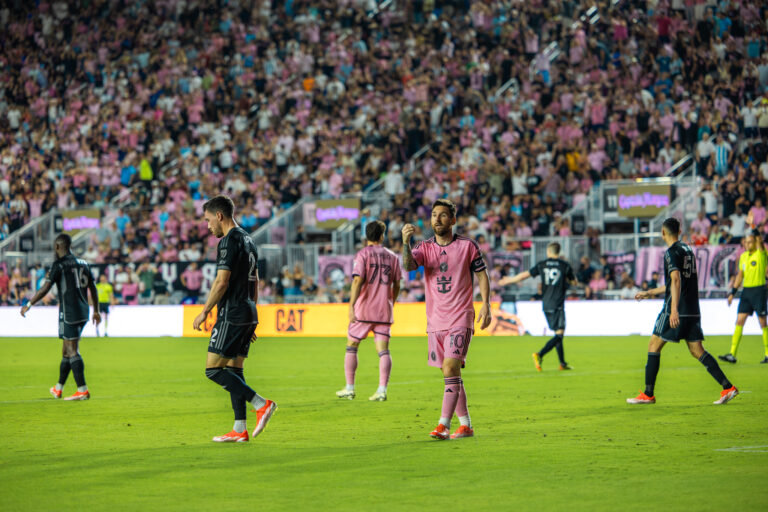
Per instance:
(728,358)
(765,360)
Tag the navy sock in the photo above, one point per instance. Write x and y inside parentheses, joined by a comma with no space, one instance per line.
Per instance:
(552,343)
(651,371)
(78,370)
(230,382)
(238,402)
(561,351)
(714,370)
(64,369)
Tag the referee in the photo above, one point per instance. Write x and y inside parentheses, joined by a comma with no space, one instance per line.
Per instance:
(752,266)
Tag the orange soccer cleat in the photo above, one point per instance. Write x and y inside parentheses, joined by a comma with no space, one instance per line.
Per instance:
(440,433)
(727,395)
(232,437)
(79,395)
(536,361)
(55,393)
(642,398)
(263,415)
(463,431)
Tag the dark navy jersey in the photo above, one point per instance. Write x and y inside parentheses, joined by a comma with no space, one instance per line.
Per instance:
(680,257)
(237,253)
(72,276)
(555,276)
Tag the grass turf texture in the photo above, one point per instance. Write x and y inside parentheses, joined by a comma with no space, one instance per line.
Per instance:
(549,441)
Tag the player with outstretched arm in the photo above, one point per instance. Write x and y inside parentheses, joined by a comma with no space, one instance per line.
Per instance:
(680,317)
(556,274)
(73,280)
(450,263)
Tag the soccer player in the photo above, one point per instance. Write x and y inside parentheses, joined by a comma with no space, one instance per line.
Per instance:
(72,277)
(450,264)
(752,265)
(375,287)
(555,274)
(106,297)
(234,292)
(680,317)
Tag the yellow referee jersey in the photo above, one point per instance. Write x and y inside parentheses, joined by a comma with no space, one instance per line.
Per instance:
(753,265)
(104,291)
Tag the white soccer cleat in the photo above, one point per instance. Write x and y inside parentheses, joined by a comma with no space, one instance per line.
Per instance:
(727,395)
(349,394)
(379,396)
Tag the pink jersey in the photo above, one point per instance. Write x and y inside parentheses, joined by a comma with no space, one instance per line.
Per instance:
(448,275)
(379,268)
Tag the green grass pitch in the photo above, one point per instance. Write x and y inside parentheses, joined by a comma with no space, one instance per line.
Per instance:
(549,441)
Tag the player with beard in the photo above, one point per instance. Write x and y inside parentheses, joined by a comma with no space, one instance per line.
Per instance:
(450,263)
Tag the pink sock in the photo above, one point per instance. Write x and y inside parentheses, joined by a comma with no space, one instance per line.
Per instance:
(450,396)
(385,367)
(350,365)
(461,405)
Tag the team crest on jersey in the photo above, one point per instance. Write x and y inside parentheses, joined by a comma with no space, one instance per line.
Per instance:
(433,356)
(444,284)
(223,253)
(753,263)
(443,267)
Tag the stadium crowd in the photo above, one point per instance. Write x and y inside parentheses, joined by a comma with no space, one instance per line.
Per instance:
(155,106)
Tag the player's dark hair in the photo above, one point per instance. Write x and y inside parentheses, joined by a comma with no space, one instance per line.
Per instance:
(448,204)
(374,230)
(220,204)
(554,248)
(65,240)
(672,225)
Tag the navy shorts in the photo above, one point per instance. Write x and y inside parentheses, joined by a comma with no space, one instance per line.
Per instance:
(231,340)
(688,330)
(104,307)
(70,332)
(556,319)
(753,300)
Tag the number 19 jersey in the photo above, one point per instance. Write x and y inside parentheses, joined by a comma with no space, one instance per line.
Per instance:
(555,276)
(378,267)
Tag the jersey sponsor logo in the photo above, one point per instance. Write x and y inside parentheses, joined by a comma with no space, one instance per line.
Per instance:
(444,284)
(289,320)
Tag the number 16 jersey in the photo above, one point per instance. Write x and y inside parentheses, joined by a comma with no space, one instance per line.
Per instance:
(378,267)
(555,276)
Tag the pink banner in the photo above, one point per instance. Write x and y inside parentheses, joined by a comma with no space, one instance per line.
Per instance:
(715,264)
(333,269)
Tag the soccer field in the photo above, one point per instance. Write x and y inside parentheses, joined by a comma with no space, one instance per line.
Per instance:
(544,441)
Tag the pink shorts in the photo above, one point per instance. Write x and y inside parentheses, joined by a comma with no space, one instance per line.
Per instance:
(358,331)
(450,344)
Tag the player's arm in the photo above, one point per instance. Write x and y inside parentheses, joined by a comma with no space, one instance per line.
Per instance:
(218,289)
(36,298)
(94,298)
(484,317)
(409,263)
(395,290)
(648,294)
(736,284)
(354,293)
(674,288)
(522,276)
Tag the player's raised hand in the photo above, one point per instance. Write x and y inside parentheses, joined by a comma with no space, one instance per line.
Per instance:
(408,231)
(484,316)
